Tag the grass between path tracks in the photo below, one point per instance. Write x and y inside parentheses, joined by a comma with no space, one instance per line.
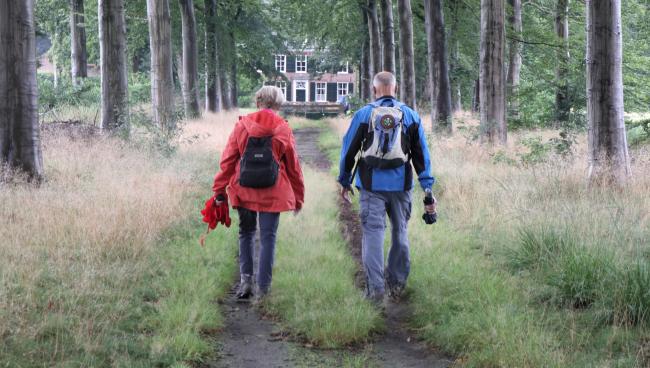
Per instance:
(527,267)
(313,282)
(100,265)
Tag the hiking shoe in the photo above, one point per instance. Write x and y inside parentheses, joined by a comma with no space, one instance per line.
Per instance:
(395,292)
(245,289)
(260,295)
(376,299)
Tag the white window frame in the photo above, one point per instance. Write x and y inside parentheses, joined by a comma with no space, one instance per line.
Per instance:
(342,87)
(283,86)
(295,87)
(321,87)
(281,63)
(346,70)
(301,63)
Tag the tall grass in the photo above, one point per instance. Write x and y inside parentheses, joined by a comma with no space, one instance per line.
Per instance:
(525,254)
(100,264)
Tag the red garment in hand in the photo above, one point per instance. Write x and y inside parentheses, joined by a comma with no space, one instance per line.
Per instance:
(214,214)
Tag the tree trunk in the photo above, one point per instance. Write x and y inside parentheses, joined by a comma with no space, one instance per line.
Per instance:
(224,59)
(388,35)
(514,63)
(407,61)
(365,88)
(20,144)
(562,103)
(136,63)
(492,76)
(212,103)
(438,66)
(375,38)
(476,100)
(78,41)
(233,71)
(112,54)
(224,82)
(457,103)
(162,82)
(190,60)
(608,151)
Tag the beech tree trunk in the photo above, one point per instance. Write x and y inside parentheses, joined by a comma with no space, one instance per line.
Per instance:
(375,38)
(454,67)
(492,76)
(388,35)
(190,60)
(365,72)
(224,57)
(456,102)
(78,41)
(514,62)
(20,144)
(224,80)
(407,61)
(112,54)
(476,100)
(234,91)
(441,113)
(608,152)
(162,80)
(212,89)
(562,103)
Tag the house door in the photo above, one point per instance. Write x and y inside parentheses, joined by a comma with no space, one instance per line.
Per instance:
(301,91)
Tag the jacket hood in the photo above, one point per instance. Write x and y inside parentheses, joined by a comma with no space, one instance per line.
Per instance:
(262,123)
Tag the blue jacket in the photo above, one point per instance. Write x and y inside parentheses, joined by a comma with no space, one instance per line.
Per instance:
(392,180)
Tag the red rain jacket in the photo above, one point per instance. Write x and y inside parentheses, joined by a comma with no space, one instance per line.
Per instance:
(288,193)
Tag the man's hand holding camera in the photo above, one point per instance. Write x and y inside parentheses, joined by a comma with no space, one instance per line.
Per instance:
(430,216)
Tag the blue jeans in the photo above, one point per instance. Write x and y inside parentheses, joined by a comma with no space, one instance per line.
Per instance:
(374,207)
(268,230)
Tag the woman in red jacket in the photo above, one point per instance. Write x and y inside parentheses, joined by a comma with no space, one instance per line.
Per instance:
(260,174)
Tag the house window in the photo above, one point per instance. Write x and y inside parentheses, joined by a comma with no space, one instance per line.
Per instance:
(301,91)
(283,86)
(341,90)
(281,63)
(345,69)
(301,64)
(321,92)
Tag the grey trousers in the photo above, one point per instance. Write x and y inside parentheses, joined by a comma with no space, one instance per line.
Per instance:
(268,230)
(374,207)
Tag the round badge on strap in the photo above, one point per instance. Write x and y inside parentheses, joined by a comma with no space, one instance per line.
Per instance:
(387,122)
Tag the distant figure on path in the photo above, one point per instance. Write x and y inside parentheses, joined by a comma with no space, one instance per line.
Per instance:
(391,140)
(344,101)
(261,175)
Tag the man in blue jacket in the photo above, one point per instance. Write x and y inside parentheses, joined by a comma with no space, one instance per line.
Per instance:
(392,142)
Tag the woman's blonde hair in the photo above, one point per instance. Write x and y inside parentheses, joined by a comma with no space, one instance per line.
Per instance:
(269,97)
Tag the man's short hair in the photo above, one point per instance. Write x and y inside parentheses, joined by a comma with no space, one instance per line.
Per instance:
(384,79)
(269,97)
